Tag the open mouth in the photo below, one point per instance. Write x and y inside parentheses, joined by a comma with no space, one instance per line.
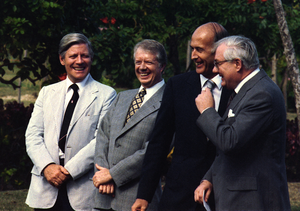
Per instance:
(199,63)
(79,68)
(144,74)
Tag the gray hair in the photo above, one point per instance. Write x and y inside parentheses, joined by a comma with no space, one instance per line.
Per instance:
(71,39)
(153,47)
(242,48)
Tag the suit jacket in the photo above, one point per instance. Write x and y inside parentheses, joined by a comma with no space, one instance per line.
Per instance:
(193,154)
(122,148)
(42,137)
(249,170)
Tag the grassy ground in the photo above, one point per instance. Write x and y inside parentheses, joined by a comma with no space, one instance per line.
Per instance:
(15,200)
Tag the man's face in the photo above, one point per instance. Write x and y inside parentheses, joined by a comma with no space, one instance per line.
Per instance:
(226,69)
(77,62)
(147,69)
(202,43)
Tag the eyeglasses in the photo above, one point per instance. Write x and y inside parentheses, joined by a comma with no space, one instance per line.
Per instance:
(218,63)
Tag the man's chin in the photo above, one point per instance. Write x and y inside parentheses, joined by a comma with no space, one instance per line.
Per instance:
(200,70)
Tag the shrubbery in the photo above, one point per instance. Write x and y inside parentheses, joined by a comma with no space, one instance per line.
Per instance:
(15,165)
(292,158)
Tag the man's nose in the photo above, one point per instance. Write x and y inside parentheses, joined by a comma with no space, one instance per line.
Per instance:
(79,59)
(194,55)
(215,70)
(143,65)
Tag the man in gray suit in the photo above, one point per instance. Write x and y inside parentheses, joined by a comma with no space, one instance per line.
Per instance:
(63,158)
(249,170)
(123,136)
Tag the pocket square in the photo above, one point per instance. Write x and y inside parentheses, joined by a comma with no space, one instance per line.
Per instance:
(230,113)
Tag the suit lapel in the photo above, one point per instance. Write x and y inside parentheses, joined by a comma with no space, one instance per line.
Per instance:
(152,105)
(87,97)
(57,105)
(224,100)
(123,106)
(243,91)
(193,89)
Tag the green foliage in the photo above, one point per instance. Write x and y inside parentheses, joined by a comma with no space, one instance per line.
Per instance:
(292,151)
(107,81)
(34,28)
(15,165)
(115,26)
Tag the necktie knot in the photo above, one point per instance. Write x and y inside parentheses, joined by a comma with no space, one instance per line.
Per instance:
(74,87)
(210,84)
(142,93)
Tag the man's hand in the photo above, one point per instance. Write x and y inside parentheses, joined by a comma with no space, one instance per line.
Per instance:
(56,175)
(139,205)
(205,100)
(108,188)
(198,194)
(102,176)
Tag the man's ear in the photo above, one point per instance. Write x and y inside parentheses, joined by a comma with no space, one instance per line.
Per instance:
(62,61)
(162,69)
(238,64)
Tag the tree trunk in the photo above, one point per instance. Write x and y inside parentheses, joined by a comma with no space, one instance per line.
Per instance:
(284,88)
(289,53)
(274,69)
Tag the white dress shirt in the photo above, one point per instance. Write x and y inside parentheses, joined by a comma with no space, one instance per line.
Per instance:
(217,91)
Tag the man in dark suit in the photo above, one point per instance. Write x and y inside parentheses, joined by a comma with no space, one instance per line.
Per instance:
(193,154)
(249,170)
(123,137)
(63,152)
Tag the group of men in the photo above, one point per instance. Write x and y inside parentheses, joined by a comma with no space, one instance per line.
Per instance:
(95,150)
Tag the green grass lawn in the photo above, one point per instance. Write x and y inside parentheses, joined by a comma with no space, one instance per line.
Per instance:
(15,200)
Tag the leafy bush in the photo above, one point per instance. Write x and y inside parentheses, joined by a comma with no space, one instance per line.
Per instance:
(15,165)
(292,151)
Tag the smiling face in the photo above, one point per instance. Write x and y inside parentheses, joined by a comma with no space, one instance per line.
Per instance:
(202,43)
(147,69)
(229,71)
(77,62)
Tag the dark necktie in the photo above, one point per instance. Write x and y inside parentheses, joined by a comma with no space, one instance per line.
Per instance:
(68,117)
(136,104)
(233,94)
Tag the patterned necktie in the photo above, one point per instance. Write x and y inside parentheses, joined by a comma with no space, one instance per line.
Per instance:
(68,117)
(135,104)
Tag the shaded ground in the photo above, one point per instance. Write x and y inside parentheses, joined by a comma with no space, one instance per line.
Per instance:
(294,191)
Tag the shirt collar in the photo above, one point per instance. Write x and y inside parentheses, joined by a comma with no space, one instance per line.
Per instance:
(248,77)
(154,88)
(80,84)
(217,80)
